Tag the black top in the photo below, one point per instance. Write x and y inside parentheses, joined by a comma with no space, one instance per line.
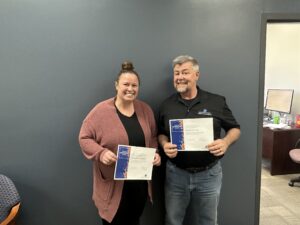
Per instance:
(136,137)
(204,105)
(134,130)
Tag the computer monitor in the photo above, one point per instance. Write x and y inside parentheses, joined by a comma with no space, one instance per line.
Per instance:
(279,100)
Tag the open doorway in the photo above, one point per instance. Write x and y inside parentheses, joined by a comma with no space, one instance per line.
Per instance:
(279,69)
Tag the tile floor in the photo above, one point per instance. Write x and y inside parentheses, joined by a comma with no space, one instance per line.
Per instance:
(280,203)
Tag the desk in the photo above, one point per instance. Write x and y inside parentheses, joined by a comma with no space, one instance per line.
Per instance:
(276,147)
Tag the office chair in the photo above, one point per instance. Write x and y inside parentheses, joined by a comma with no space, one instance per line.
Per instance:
(9,201)
(295,156)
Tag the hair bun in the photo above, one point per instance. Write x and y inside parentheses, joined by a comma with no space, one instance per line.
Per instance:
(127,66)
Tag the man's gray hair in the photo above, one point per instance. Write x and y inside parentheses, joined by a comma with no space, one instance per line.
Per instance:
(186,58)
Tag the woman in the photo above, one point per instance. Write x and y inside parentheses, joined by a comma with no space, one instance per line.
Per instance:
(119,120)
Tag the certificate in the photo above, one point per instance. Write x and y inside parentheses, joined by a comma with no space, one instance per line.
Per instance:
(191,134)
(134,163)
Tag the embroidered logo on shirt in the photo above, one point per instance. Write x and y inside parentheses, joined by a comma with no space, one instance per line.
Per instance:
(204,112)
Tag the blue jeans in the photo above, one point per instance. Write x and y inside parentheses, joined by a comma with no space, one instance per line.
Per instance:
(197,192)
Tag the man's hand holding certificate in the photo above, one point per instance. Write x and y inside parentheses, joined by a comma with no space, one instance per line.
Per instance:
(134,163)
(192,134)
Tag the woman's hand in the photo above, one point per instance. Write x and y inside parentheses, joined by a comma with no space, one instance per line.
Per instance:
(157,160)
(108,158)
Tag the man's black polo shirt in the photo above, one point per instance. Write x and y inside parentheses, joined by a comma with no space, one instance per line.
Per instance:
(205,104)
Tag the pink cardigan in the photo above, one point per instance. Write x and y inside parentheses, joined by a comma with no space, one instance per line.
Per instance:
(102,130)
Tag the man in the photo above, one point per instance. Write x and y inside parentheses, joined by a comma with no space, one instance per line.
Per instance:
(194,178)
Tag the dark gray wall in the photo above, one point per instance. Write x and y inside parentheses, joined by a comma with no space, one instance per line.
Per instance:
(278,6)
(59,58)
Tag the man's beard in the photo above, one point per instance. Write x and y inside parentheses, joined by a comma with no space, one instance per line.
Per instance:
(181,89)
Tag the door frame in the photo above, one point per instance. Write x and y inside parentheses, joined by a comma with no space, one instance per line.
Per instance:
(265,19)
